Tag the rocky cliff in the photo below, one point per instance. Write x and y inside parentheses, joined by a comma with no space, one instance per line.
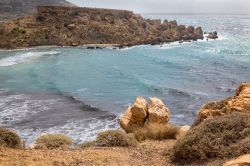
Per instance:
(10,9)
(238,103)
(74,26)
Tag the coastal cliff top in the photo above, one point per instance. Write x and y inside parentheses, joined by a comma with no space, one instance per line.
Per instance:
(79,26)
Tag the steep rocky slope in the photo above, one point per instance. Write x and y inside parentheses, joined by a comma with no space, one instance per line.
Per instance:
(238,103)
(74,26)
(10,9)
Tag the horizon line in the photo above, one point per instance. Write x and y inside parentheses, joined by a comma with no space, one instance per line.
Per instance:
(189,13)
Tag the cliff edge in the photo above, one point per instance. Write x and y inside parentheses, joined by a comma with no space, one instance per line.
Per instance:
(75,26)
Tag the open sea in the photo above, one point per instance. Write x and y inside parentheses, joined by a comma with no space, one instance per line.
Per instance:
(78,92)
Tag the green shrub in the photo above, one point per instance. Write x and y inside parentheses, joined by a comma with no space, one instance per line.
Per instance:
(157,132)
(9,139)
(115,138)
(54,141)
(18,30)
(221,137)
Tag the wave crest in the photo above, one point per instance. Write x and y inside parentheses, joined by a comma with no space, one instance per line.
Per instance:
(24,57)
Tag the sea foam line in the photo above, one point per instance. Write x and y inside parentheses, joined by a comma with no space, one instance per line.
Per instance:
(24,57)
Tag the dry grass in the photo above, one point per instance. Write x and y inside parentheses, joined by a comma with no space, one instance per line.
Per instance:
(9,139)
(54,141)
(157,132)
(116,138)
(149,153)
(87,144)
(220,137)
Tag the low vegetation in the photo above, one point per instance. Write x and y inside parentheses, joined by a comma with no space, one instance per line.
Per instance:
(9,139)
(18,31)
(54,141)
(156,132)
(221,137)
(87,144)
(116,138)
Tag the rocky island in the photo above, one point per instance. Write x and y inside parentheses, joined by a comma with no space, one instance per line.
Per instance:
(75,26)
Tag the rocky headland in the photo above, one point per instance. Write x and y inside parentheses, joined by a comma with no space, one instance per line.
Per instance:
(75,26)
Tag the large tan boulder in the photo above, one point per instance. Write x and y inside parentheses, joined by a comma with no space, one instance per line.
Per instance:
(140,114)
(157,112)
(135,117)
(240,102)
(240,161)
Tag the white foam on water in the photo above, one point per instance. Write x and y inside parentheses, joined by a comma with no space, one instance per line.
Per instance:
(79,130)
(82,90)
(169,45)
(24,57)
(15,107)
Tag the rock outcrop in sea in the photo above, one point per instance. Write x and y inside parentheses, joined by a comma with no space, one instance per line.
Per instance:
(140,114)
(75,26)
(212,35)
(239,103)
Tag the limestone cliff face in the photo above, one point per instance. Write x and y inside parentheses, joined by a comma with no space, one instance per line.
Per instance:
(239,103)
(10,9)
(74,26)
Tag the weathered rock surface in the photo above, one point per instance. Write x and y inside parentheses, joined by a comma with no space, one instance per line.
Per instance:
(74,26)
(140,114)
(240,161)
(212,35)
(240,102)
(135,116)
(157,112)
(11,9)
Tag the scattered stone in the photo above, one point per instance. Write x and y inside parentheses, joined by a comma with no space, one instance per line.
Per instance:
(71,26)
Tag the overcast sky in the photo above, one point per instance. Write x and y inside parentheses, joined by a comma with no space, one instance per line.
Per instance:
(171,6)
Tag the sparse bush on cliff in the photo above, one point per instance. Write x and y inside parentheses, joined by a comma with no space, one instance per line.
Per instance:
(9,139)
(87,144)
(157,132)
(115,138)
(221,137)
(53,141)
(18,30)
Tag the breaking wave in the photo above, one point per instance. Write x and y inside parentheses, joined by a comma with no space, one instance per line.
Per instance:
(24,57)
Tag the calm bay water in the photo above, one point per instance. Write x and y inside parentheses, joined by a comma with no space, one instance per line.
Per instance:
(48,89)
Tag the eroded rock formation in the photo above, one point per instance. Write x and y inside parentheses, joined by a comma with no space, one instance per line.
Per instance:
(134,118)
(140,114)
(74,26)
(157,112)
(240,102)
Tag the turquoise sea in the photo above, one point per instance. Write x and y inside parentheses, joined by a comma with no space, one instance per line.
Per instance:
(79,92)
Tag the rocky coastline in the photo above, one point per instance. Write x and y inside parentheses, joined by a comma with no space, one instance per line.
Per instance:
(219,136)
(75,26)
